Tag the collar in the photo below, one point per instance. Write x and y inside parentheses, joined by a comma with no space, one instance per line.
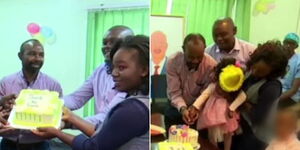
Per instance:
(108,67)
(294,55)
(21,74)
(237,47)
(136,94)
(161,63)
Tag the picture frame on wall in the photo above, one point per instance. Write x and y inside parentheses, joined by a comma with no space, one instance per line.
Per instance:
(167,34)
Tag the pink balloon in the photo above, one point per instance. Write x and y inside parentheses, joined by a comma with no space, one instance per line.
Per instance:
(33,28)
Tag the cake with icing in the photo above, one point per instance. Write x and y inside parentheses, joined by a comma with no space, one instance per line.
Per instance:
(183,134)
(38,108)
(174,146)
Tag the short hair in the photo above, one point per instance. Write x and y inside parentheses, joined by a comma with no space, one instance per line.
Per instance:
(139,43)
(193,36)
(226,19)
(121,27)
(22,47)
(118,28)
(272,53)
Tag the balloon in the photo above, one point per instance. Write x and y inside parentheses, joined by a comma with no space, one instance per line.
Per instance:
(263,6)
(33,28)
(39,37)
(51,40)
(47,32)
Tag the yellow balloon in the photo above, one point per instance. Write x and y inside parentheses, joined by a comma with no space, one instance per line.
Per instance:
(40,38)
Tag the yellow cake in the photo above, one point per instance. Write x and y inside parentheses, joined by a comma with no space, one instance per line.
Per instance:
(183,134)
(37,108)
(174,146)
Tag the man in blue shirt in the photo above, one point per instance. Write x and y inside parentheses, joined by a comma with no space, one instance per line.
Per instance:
(291,81)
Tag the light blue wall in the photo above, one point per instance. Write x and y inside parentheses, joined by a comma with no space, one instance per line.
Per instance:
(65,59)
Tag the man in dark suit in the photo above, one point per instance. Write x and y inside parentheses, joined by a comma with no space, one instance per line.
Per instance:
(159,46)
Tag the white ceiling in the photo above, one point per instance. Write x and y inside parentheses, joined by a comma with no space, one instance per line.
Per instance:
(94,4)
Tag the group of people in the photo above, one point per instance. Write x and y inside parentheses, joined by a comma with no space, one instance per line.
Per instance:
(233,92)
(120,87)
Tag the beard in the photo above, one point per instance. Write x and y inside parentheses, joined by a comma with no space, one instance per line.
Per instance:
(33,67)
(192,66)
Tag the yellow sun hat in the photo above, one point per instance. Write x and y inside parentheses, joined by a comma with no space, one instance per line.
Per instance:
(231,78)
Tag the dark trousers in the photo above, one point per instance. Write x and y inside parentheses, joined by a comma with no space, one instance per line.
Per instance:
(7,144)
(247,140)
(172,116)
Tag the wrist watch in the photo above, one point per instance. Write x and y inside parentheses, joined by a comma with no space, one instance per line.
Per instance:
(182,109)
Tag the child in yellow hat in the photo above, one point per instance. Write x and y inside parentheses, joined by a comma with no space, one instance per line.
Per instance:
(215,107)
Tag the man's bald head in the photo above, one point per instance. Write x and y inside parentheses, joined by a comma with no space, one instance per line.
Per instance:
(193,48)
(28,44)
(121,30)
(226,20)
(224,32)
(114,34)
(159,46)
(31,55)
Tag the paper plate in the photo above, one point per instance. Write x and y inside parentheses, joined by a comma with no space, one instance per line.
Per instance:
(156,130)
(197,147)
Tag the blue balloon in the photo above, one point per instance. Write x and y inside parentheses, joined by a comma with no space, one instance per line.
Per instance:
(47,32)
(51,40)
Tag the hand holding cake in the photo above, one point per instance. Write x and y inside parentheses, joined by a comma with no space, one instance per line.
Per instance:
(8,99)
(5,128)
(67,115)
(46,132)
(6,104)
(50,132)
